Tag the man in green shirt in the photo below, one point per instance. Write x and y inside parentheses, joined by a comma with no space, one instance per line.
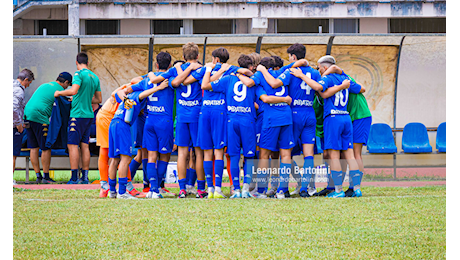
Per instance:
(86,90)
(38,113)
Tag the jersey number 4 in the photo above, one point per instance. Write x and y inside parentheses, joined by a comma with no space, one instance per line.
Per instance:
(305,86)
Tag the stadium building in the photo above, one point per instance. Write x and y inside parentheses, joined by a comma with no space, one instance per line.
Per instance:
(141,17)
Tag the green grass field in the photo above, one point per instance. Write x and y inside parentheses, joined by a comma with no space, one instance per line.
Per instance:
(387,223)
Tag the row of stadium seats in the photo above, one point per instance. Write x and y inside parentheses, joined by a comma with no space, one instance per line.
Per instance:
(414,139)
(381,140)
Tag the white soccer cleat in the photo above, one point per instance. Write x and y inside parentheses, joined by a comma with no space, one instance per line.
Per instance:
(296,191)
(280,195)
(14,183)
(191,189)
(236,195)
(259,195)
(246,195)
(126,196)
(153,195)
(113,194)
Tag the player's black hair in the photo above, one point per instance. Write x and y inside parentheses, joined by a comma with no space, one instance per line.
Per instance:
(61,79)
(177,61)
(26,74)
(82,58)
(245,61)
(222,54)
(267,62)
(278,61)
(163,60)
(298,50)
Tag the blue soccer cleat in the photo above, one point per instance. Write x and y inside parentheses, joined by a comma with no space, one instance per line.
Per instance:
(336,195)
(357,193)
(236,195)
(72,182)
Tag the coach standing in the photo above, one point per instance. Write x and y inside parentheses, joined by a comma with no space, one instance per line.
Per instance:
(37,113)
(86,90)
(23,81)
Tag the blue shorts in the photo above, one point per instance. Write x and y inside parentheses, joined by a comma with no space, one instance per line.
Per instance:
(158,134)
(277,137)
(17,142)
(297,150)
(36,135)
(79,130)
(139,135)
(212,129)
(361,129)
(120,142)
(338,132)
(241,135)
(304,127)
(259,123)
(186,134)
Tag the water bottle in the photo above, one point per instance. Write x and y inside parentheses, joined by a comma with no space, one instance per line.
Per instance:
(129,115)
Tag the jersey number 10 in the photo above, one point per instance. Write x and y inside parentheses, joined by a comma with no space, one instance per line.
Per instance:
(340,97)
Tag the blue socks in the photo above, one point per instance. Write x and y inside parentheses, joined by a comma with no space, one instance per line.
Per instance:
(152,175)
(285,170)
(235,170)
(162,168)
(355,177)
(133,166)
(219,166)
(144,169)
(74,175)
(84,175)
(201,185)
(182,183)
(113,184)
(337,177)
(308,165)
(191,177)
(208,169)
(122,187)
(248,167)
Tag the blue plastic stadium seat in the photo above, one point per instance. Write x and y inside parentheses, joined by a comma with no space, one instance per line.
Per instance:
(381,139)
(415,139)
(441,138)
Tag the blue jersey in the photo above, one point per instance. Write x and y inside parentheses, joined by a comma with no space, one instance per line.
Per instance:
(136,108)
(213,99)
(282,69)
(302,95)
(160,103)
(240,98)
(188,97)
(337,104)
(275,114)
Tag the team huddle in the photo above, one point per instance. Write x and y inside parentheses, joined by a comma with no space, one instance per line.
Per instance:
(261,109)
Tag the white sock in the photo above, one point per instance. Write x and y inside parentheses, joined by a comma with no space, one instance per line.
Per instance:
(210,189)
(357,187)
(105,185)
(245,187)
(218,189)
(338,188)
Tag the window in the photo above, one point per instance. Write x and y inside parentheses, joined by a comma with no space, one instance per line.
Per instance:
(345,25)
(166,26)
(53,27)
(97,27)
(212,26)
(418,25)
(302,25)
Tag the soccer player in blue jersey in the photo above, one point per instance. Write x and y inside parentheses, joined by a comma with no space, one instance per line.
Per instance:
(304,120)
(158,130)
(361,119)
(338,129)
(241,120)
(189,99)
(277,130)
(212,124)
(120,142)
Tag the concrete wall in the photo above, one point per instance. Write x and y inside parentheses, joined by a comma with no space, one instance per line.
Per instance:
(272,9)
(133,27)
